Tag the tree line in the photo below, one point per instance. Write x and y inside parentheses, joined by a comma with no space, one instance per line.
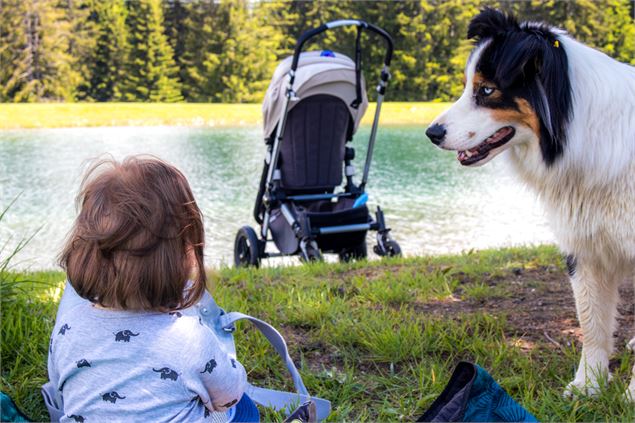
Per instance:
(226,51)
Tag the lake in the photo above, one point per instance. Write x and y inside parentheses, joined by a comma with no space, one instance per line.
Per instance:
(433,205)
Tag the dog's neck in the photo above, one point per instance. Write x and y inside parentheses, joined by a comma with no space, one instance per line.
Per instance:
(600,144)
(597,167)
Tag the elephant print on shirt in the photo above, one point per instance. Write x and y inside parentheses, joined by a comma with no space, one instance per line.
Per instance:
(209,366)
(77,418)
(112,397)
(63,329)
(124,335)
(82,363)
(167,373)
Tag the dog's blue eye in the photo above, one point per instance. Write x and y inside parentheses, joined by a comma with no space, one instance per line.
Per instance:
(485,91)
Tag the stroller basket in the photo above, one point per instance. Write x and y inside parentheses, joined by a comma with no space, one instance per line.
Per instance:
(334,226)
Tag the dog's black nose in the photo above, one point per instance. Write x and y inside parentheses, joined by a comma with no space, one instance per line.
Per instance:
(436,133)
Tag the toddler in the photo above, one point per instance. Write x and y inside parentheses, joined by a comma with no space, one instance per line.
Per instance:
(132,347)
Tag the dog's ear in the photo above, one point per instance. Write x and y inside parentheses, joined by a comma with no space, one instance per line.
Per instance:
(554,89)
(522,63)
(539,62)
(531,51)
(490,23)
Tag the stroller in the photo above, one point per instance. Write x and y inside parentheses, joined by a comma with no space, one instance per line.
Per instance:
(311,110)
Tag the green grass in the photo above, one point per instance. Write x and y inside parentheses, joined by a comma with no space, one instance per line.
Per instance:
(379,339)
(60,115)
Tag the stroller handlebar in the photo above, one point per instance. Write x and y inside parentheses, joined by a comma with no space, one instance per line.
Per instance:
(334,24)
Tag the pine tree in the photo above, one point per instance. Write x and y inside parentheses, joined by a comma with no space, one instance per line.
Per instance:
(151,73)
(36,44)
(175,18)
(81,40)
(13,55)
(108,60)
(202,38)
(231,51)
(249,54)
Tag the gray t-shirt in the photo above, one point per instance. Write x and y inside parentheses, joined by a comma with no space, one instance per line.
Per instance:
(141,366)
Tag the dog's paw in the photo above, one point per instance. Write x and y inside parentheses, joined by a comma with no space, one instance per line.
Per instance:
(580,388)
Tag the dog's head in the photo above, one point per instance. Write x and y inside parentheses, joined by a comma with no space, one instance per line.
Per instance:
(517,90)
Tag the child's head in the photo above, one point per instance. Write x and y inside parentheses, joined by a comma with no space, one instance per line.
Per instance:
(138,238)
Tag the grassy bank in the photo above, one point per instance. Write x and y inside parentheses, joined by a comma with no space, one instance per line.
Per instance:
(378,339)
(60,115)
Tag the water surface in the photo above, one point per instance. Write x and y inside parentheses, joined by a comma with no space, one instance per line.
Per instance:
(432,203)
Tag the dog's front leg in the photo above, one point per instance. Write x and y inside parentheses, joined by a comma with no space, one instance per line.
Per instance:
(630,392)
(596,296)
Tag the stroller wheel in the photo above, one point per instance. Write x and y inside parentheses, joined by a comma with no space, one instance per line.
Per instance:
(386,246)
(359,252)
(309,251)
(246,248)
(393,248)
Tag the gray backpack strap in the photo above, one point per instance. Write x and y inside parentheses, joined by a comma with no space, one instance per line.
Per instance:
(278,400)
(276,340)
(53,401)
(287,401)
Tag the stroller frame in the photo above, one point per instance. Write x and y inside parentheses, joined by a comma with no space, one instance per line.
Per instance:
(249,249)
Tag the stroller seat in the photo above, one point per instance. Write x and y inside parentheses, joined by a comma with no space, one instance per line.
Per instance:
(313,146)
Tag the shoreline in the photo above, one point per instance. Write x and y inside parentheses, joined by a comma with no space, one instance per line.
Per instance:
(18,116)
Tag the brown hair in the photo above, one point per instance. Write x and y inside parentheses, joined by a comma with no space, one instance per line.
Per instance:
(138,237)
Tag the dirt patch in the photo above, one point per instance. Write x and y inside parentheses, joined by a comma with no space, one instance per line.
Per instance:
(318,355)
(371,273)
(538,304)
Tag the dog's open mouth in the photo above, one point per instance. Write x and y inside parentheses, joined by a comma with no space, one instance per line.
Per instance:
(481,151)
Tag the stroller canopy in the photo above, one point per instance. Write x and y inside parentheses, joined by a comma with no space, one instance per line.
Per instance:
(331,74)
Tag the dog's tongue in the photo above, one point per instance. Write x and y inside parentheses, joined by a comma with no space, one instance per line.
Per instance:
(501,133)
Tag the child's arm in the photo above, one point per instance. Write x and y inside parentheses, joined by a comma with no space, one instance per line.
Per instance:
(70,299)
(224,379)
(217,372)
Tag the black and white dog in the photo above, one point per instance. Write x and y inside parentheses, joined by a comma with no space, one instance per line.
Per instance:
(564,116)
